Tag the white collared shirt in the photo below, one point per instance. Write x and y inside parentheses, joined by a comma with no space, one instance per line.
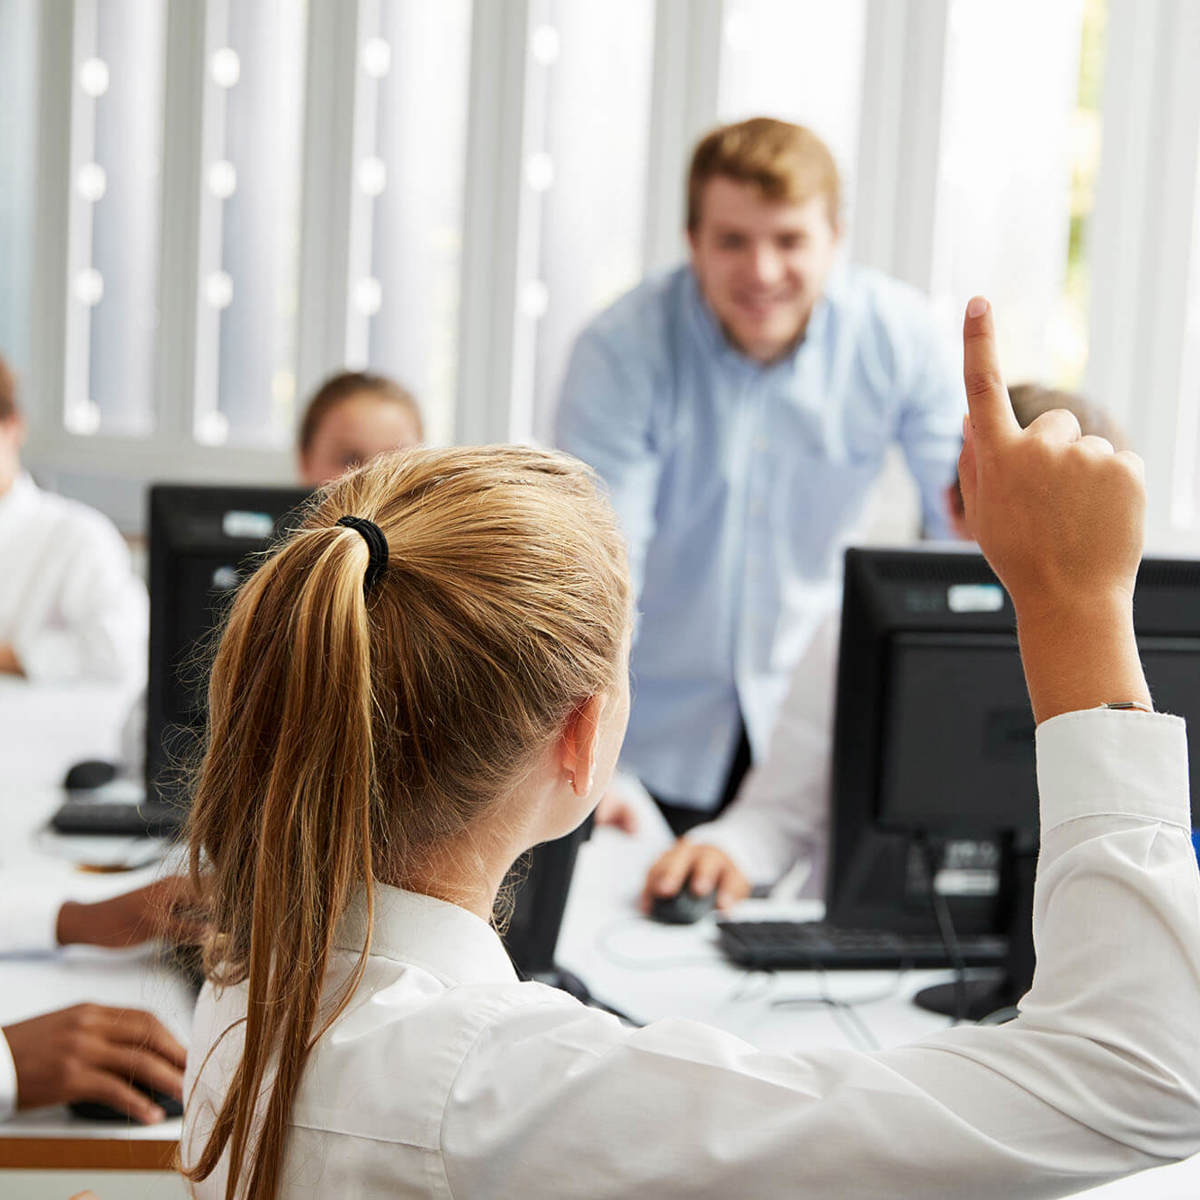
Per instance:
(446,1077)
(70,604)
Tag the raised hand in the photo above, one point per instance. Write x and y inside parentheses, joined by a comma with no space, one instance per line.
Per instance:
(1061,519)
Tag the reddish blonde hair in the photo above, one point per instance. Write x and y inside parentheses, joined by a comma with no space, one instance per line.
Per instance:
(787,163)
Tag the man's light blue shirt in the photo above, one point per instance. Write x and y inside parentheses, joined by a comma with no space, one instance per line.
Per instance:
(738,485)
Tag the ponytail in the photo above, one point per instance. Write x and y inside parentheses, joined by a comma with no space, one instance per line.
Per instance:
(310,692)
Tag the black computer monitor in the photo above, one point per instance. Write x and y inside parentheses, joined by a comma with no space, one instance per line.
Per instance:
(204,541)
(934,770)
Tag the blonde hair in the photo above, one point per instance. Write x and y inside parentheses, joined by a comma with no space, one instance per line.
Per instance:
(787,163)
(352,731)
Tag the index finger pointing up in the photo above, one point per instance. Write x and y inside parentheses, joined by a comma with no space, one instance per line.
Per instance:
(992,416)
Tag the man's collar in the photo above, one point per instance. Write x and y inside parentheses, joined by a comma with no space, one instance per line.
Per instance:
(20,495)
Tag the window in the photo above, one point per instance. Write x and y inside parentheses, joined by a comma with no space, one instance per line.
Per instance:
(250,223)
(1020,144)
(18,69)
(116,187)
(800,60)
(414,71)
(584,183)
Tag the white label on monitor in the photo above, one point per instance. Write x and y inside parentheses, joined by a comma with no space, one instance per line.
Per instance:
(967,883)
(975,597)
(241,524)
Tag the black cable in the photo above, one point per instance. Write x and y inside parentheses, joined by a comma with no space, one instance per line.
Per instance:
(945,923)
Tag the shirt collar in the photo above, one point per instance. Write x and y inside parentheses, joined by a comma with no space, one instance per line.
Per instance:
(713,337)
(453,943)
(19,497)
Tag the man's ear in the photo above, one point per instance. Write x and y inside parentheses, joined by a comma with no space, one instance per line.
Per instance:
(579,742)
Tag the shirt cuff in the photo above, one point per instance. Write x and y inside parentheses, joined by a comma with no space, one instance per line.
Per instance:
(761,851)
(8,1080)
(1110,762)
(29,919)
(48,656)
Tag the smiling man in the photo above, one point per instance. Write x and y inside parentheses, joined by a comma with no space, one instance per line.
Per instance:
(739,409)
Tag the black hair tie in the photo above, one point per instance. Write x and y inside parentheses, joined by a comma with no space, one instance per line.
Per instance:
(376,545)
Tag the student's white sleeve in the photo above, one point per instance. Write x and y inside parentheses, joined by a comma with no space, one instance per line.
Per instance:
(101,618)
(28,916)
(781,813)
(1098,1077)
(8,1080)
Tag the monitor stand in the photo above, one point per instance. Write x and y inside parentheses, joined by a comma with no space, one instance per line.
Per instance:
(994,993)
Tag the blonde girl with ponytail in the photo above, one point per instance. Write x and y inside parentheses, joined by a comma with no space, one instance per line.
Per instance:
(429,677)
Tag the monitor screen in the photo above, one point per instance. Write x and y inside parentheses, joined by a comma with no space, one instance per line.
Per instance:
(934,736)
(204,541)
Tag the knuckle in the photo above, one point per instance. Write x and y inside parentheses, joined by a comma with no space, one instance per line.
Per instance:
(982,381)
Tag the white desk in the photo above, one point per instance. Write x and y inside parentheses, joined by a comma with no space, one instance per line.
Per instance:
(652,971)
(42,731)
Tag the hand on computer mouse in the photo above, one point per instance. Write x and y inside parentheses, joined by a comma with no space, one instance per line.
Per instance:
(91,1052)
(705,869)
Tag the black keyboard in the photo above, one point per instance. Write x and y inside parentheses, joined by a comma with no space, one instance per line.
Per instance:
(805,945)
(117,818)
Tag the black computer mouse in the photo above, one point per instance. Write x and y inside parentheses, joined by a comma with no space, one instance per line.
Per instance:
(93,1110)
(91,773)
(683,908)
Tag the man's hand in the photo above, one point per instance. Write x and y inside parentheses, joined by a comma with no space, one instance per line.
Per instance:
(10,664)
(1061,519)
(616,810)
(706,869)
(158,910)
(90,1052)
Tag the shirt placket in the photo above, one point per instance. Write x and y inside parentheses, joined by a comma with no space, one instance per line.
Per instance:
(751,622)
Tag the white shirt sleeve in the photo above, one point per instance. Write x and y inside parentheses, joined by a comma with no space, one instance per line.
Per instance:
(95,621)
(28,917)
(1099,1076)
(8,1081)
(781,812)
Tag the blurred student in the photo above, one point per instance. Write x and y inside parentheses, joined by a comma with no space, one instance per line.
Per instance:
(739,408)
(781,814)
(90,1051)
(352,417)
(431,676)
(71,607)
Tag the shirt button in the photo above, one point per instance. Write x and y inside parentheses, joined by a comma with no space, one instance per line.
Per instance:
(760,445)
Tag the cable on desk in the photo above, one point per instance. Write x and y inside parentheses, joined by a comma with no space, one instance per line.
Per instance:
(941,912)
(844,1012)
(647,963)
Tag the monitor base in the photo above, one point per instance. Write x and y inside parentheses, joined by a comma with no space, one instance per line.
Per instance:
(988,994)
